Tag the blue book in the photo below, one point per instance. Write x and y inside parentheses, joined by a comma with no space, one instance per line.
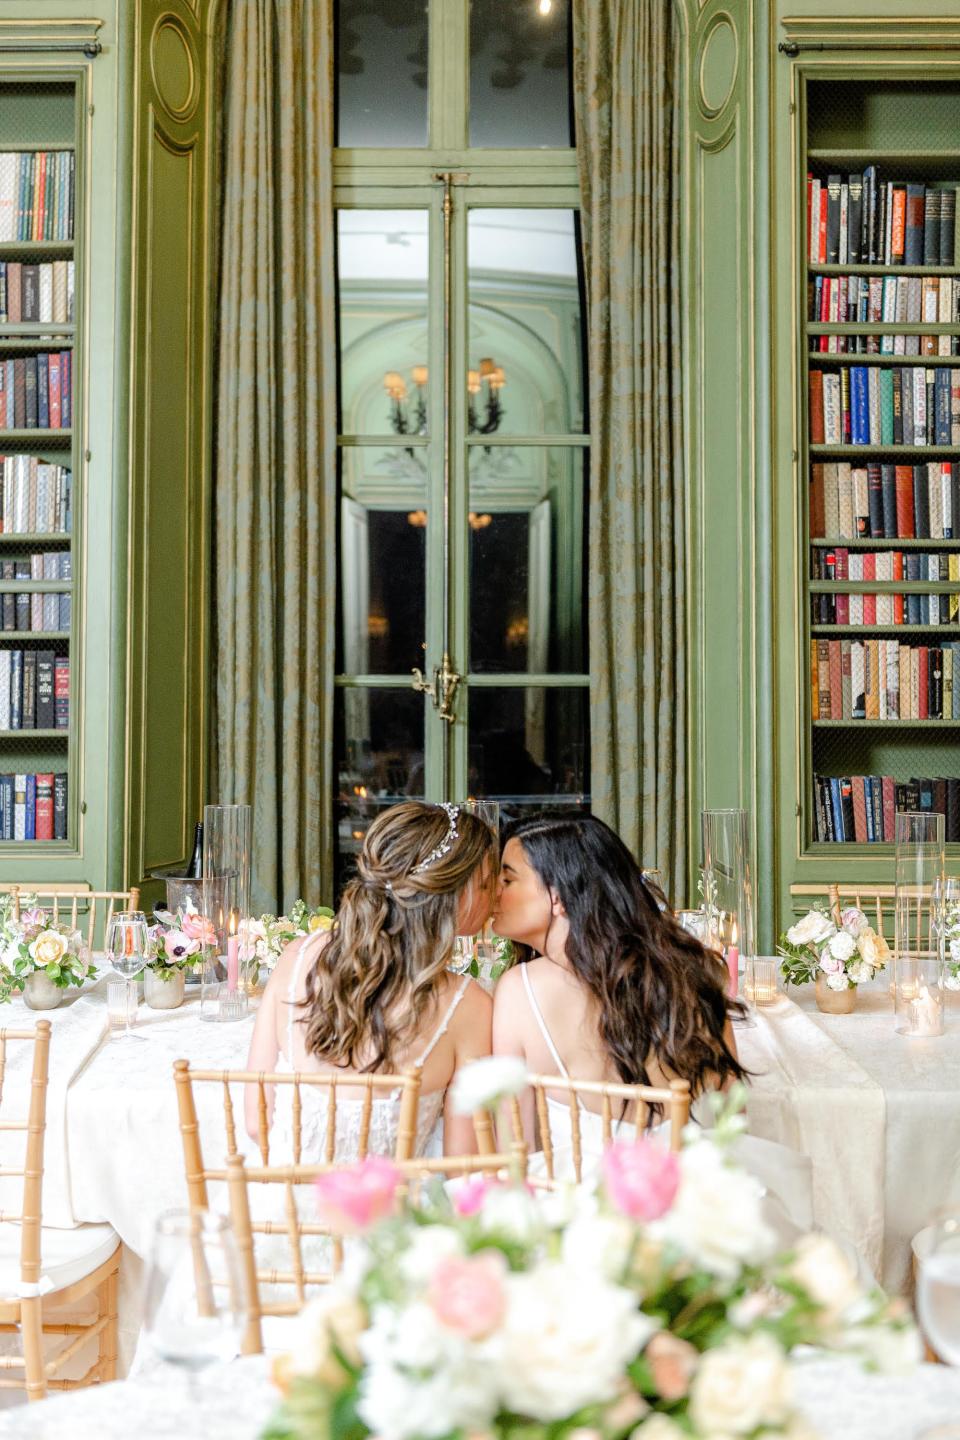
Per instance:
(16,689)
(868,805)
(6,807)
(43,393)
(859,406)
(836,805)
(941,393)
(30,817)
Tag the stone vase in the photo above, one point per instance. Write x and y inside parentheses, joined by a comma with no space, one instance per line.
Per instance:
(163,993)
(835,1002)
(40,993)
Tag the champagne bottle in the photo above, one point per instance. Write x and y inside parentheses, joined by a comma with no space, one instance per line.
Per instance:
(195,868)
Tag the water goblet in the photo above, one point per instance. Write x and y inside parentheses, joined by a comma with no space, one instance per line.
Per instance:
(938,1287)
(194,1310)
(125,950)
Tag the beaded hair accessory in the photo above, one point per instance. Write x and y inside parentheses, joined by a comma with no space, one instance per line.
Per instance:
(453,814)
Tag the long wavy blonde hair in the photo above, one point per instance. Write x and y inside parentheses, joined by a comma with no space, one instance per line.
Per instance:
(392,941)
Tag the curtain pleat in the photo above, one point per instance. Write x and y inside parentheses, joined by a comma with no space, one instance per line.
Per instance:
(627,98)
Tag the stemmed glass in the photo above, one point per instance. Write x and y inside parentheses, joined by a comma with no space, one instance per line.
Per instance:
(194,1312)
(125,949)
(938,1287)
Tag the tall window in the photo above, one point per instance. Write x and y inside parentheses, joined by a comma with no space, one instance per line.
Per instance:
(464,439)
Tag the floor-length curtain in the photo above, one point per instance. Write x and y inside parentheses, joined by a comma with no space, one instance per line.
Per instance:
(627,100)
(274,502)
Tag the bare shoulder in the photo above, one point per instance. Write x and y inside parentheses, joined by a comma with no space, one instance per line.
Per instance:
(290,958)
(476,1004)
(508,987)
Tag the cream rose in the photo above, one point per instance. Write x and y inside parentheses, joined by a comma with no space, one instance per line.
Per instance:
(814,927)
(49,948)
(338,1319)
(740,1386)
(826,1274)
(873,948)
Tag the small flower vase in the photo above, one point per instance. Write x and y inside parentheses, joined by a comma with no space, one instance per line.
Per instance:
(835,1002)
(163,992)
(40,993)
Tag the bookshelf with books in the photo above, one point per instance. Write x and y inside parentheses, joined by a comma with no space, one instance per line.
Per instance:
(871,154)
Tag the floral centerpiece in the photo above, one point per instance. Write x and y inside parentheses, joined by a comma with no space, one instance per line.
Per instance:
(951,941)
(269,935)
(651,1307)
(177,944)
(34,945)
(837,957)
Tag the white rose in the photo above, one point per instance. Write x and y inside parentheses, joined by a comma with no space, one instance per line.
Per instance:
(894,1351)
(860,972)
(814,927)
(425,1247)
(337,1317)
(740,1386)
(658,1427)
(481,1084)
(566,1340)
(854,920)
(842,945)
(601,1243)
(716,1218)
(873,948)
(955,950)
(952,982)
(421,1379)
(826,1274)
(512,1213)
(838,981)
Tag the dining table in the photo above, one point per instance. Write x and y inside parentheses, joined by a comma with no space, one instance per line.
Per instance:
(235,1401)
(878,1113)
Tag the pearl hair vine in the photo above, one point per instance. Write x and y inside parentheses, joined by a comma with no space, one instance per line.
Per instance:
(453,815)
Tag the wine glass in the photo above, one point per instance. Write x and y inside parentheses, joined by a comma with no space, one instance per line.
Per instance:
(938,1287)
(194,1312)
(125,949)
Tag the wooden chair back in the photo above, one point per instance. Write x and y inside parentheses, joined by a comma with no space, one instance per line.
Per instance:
(83,909)
(30,1216)
(674,1100)
(291,1178)
(199,1172)
(876,902)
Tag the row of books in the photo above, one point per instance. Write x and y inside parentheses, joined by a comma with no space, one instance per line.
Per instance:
(36,498)
(884,680)
(899,299)
(34,690)
(836,562)
(37,194)
(895,405)
(39,613)
(865,220)
(33,807)
(860,809)
(878,344)
(35,392)
(887,609)
(883,501)
(36,292)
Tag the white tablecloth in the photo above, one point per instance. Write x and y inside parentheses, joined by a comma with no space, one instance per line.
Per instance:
(877,1112)
(235,1402)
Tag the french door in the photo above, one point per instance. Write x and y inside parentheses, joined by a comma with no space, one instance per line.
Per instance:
(463,455)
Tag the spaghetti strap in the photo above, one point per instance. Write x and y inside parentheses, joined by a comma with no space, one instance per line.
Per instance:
(538,1016)
(444,1023)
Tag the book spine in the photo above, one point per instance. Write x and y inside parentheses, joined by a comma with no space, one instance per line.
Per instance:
(60,807)
(44,807)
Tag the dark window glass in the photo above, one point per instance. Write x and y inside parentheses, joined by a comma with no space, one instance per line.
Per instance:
(529,748)
(381,57)
(520,73)
(379,749)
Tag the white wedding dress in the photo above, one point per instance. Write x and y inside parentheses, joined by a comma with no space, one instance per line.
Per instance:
(785,1174)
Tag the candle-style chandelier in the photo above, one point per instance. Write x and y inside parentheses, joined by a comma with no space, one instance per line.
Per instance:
(408,403)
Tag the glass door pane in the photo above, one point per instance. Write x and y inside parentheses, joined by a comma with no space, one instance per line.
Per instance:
(520,73)
(381,59)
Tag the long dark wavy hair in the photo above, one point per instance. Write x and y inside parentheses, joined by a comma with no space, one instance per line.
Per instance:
(371,984)
(659,992)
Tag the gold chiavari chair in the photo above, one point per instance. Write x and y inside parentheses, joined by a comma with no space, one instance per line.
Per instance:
(673,1098)
(295,1227)
(876,902)
(89,911)
(87,1258)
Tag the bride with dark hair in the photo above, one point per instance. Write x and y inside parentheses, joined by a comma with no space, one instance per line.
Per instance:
(609,986)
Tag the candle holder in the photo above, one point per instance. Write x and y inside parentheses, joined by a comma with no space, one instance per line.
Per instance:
(760,987)
(226,904)
(918,924)
(728,893)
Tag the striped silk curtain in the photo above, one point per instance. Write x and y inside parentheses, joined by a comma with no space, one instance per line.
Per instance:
(274,499)
(627,68)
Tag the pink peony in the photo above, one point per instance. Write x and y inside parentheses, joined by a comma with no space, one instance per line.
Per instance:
(641,1178)
(354,1198)
(198,927)
(467,1295)
(470,1195)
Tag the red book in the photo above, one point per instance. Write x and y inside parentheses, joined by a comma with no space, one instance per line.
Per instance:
(809,204)
(817,520)
(904,482)
(822,254)
(859,811)
(44,821)
(61,693)
(898,226)
(869,601)
(842,572)
(923,669)
(53,390)
(816,415)
(41,195)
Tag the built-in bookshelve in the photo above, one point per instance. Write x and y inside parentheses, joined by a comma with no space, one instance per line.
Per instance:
(40,331)
(880,438)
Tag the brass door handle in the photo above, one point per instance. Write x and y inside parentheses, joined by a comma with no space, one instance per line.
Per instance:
(442,688)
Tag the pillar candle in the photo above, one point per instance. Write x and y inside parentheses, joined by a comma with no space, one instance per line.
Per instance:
(233,961)
(733,969)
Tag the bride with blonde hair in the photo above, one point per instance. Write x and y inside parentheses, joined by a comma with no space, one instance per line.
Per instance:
(376,993)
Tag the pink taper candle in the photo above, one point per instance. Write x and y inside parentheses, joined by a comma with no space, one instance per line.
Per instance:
(733,969)
(233,961)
